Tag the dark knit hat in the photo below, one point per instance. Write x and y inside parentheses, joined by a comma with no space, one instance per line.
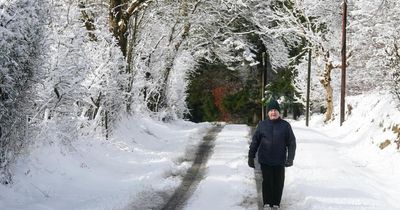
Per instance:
(273,104)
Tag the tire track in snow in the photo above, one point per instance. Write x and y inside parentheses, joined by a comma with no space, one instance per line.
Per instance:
(195,173)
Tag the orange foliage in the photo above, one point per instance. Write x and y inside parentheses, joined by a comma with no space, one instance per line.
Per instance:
(219,93)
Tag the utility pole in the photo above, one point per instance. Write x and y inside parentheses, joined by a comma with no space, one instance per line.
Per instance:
(308,87)
(263,83)
(343,86)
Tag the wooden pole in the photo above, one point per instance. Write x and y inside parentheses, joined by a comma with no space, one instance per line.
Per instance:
(343,86)
(106,124)
(263,110)
(308,87)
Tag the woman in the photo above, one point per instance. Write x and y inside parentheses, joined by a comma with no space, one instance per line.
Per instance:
(276,145)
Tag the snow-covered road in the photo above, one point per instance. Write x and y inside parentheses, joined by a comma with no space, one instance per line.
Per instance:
(323,176)
(228,181)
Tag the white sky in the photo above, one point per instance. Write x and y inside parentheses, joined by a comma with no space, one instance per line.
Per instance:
(335,167)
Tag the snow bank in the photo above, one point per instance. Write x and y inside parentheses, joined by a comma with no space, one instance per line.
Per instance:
(143,155)
(366,169)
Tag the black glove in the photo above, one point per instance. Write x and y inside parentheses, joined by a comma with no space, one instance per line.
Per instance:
(251,162)
(288,163)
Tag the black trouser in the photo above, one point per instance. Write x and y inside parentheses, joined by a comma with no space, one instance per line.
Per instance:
(272,185)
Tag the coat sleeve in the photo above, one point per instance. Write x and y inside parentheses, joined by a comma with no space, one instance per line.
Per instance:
(291,144)
(255,142)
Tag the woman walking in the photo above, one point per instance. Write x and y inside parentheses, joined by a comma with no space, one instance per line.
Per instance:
(276,145)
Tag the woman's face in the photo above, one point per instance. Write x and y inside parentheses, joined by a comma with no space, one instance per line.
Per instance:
(273,114)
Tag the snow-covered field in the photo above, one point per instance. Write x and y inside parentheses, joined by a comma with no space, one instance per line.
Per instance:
(335,167)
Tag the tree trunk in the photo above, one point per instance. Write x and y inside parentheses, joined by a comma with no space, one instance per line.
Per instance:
(326,82)
(120,12)
(96,106)
(88,20)
(119,15)
(129,71)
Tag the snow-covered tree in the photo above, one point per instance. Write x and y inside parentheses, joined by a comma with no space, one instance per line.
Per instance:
(223,34)
(373,40)
(59,78)
(157,43)
(82,70)
(316,23)
(19,32)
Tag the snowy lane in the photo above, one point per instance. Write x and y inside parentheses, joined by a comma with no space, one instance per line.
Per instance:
(323,177)
(229,182)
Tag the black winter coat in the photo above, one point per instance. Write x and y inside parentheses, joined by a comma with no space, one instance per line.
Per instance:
(275,142)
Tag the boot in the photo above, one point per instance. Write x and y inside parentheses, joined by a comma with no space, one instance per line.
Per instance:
(275,207)
(267,207)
